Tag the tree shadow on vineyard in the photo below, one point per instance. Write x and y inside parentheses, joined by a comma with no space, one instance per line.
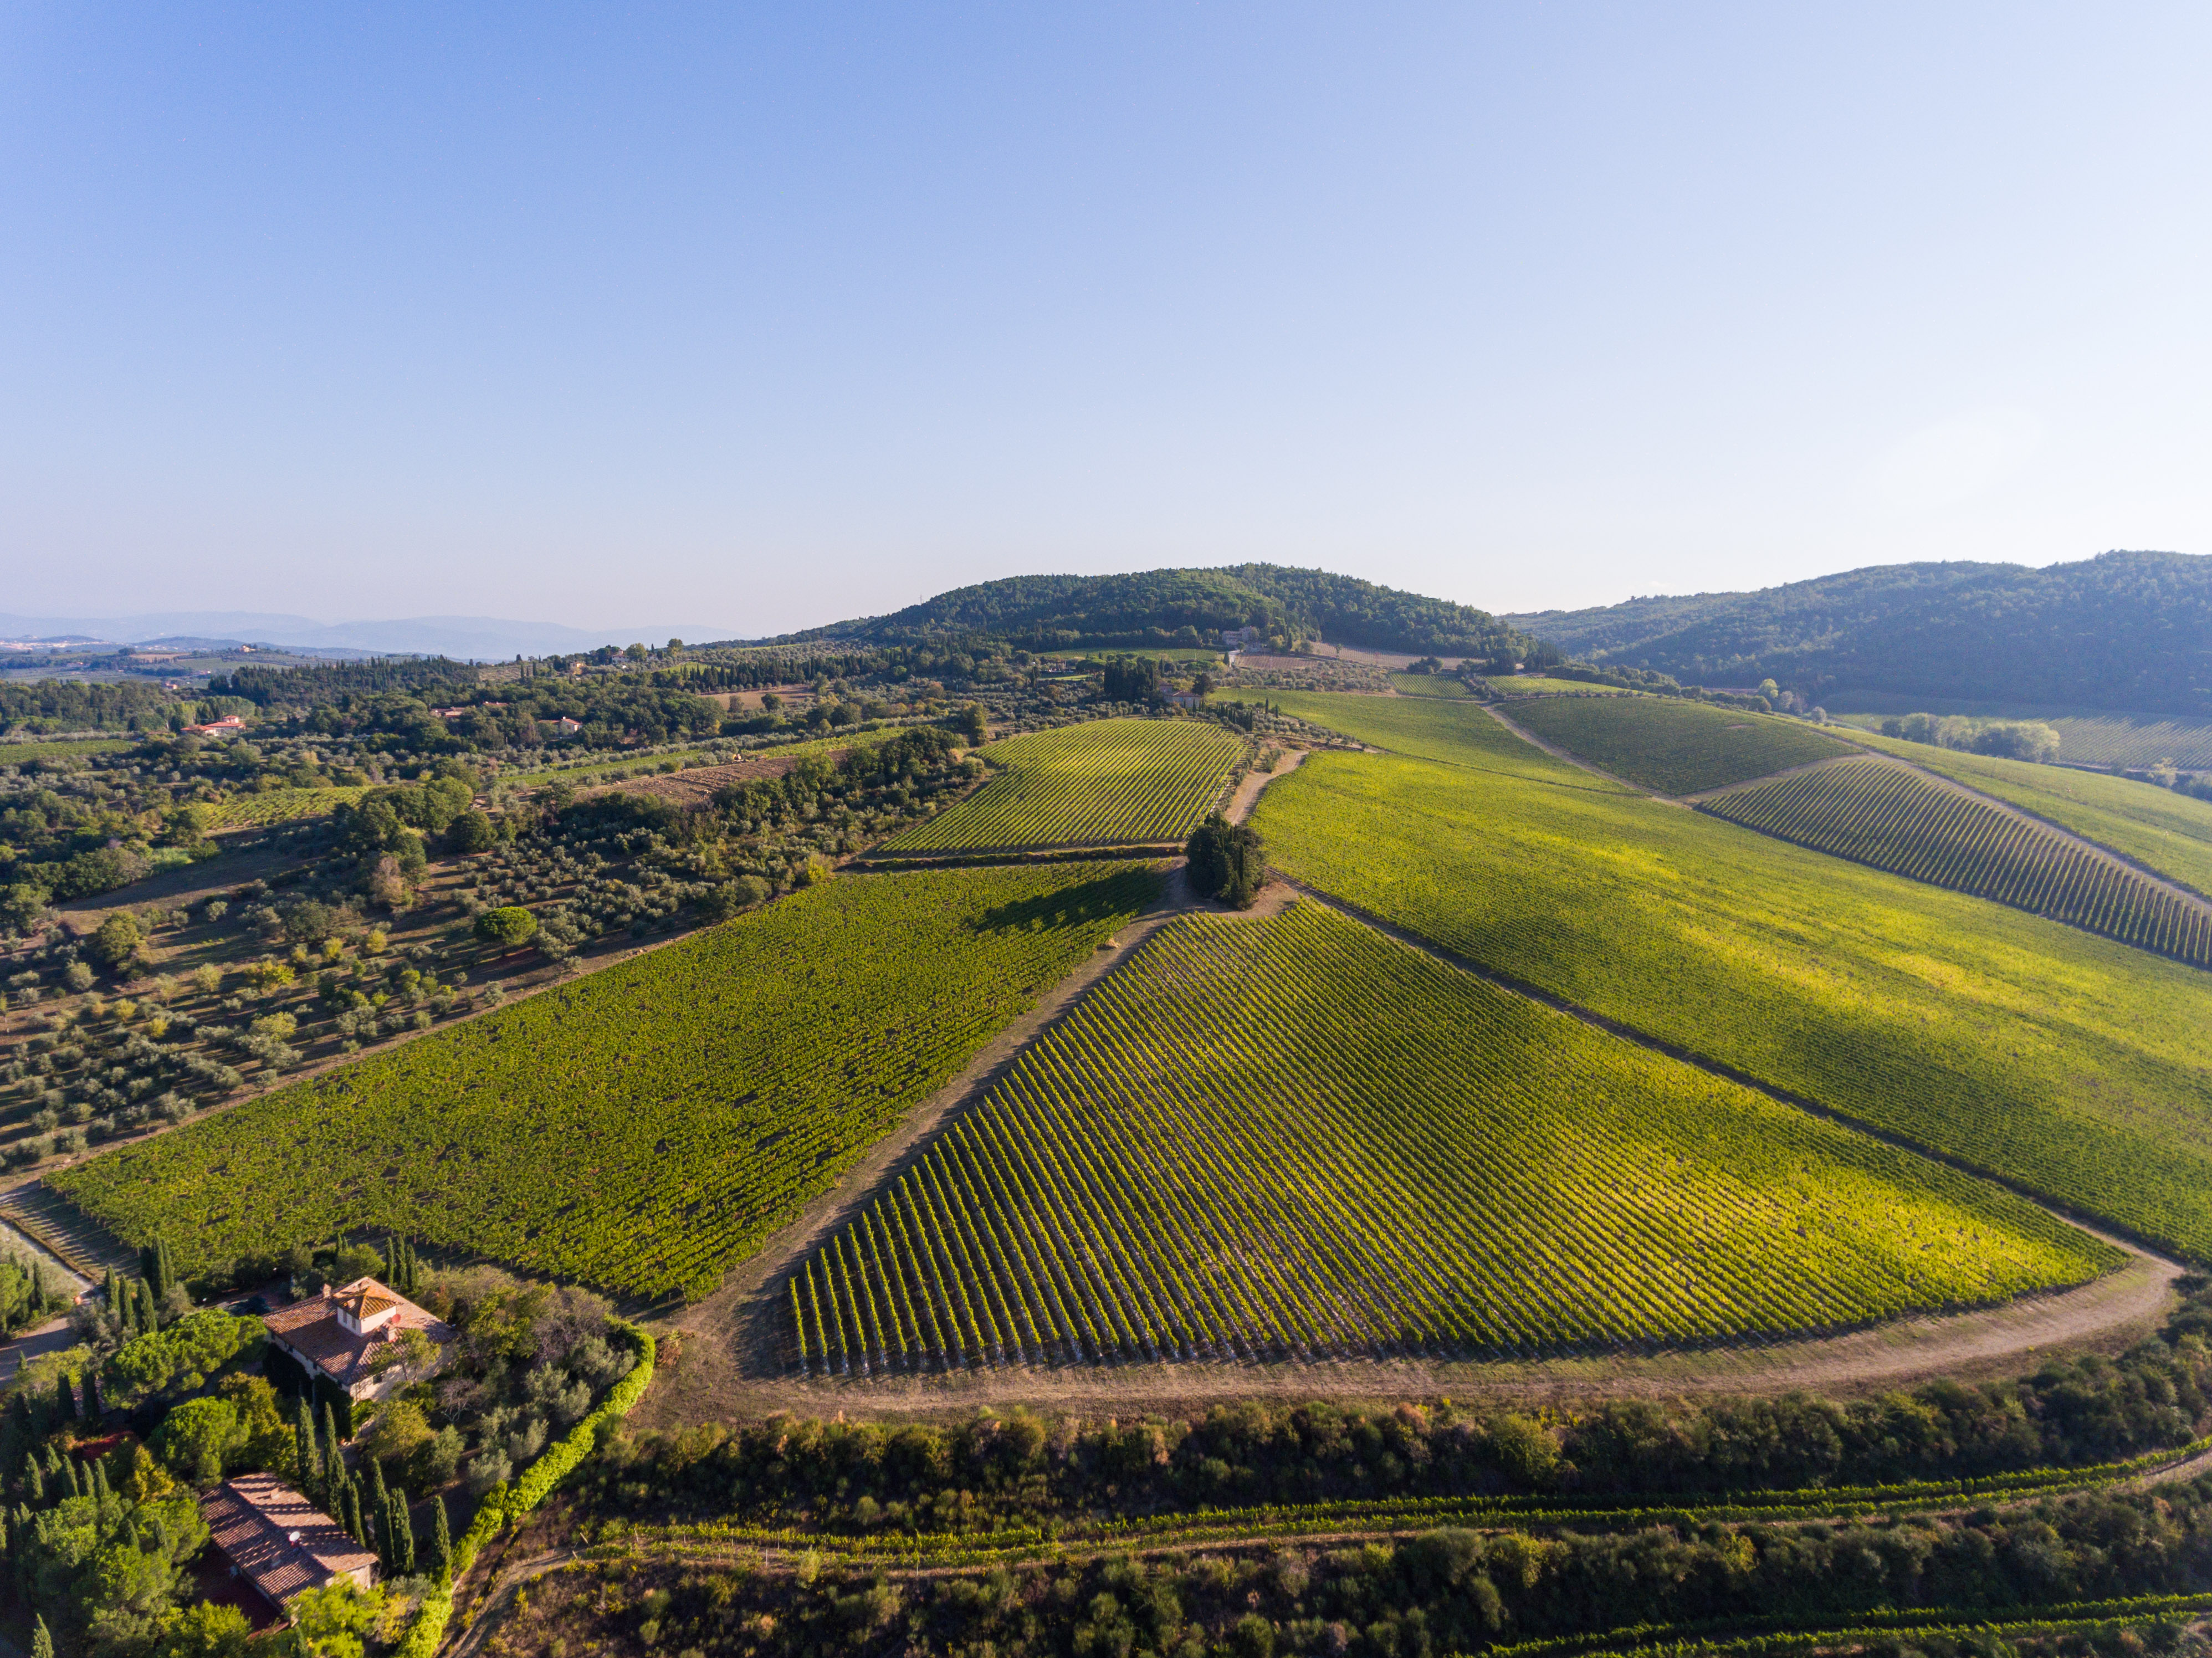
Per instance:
(1107,895)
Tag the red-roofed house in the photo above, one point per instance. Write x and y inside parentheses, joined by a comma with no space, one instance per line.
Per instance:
(279,1541)
(340,1333)
(229,725)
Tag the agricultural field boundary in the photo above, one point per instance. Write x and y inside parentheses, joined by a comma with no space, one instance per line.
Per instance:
(2096,1225)
(2185,896)
(1571,759)
(736,1331)
(2181,888)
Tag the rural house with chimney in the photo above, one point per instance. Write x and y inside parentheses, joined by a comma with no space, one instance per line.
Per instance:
(354,1339)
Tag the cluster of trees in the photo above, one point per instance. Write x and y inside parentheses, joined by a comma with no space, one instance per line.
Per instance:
(76,705)
(2013,739)
(1227,862)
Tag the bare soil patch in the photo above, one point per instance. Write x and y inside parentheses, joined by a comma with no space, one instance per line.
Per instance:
(698,784)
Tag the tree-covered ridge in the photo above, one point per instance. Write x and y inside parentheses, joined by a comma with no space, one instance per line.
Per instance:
(2122,630)
(1155,607)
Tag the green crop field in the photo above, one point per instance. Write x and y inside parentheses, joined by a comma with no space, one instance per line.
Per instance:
(1899,820)
(1538,684)
(1297,1137)
(1107,782)
(645,1127)
(1430,728)
(1673,747)
(281,806)
(1430,684)
(21,753)
(2160,829)
(2070,1064)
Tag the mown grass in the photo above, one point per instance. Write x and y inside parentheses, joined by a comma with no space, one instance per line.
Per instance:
(2160,829)
(1409,1157)
(1673,747)
(2071,1065)
(645,1127)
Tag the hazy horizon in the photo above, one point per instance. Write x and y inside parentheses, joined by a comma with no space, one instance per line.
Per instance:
(769,320)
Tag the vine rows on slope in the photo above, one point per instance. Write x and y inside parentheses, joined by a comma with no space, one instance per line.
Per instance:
(1898,820)
(1296,1137)
(1102,783)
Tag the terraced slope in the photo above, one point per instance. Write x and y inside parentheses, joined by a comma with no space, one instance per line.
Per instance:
(644,1128)
(1673,747)
(1297,1136)
(2160,829)
(1107,782)
(1898,820)
(2070,1064)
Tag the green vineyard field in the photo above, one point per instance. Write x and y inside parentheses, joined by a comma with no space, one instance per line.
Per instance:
(1673,747)
(644,1128)
(1430,684)
(2158,828)
(281,806)
(1901,821)
(1296,1137)
(1107,782)
(2068,1063)
(1433,728)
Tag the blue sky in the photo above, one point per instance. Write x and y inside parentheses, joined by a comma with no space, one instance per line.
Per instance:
(748,319)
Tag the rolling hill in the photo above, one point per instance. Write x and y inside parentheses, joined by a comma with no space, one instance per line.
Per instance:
(2122,630)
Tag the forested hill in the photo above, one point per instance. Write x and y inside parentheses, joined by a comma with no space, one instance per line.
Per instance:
(1157,606)
(2122,630)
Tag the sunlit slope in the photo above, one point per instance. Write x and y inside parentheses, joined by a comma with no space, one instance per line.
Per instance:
(2074,1065)
(1297,1136)
(2160,829)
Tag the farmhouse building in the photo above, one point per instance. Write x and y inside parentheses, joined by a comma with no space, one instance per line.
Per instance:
(279,1541)
(229,724)
(340,1335)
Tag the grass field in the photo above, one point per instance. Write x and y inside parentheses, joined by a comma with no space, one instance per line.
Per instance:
(1297,1137)
(1673,747)
(1107,782)
(281,806)
(2168,832)
(1537,685)
(1430,684)
(1902,821)
(645,1127)
(21,753)
(2070,1064)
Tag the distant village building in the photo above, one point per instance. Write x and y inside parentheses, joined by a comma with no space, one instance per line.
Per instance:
(228,725)
(279,1541)
(339,1333)
(564,726)
(1239,639)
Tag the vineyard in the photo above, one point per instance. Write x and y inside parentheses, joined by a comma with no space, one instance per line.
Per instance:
(1458,732)
(1429,684)
(280,806)
(1898,820)
(1107,782)
(645,1127)
(2066,1062)
(1673,747)
(1299,1137)
(2158,828)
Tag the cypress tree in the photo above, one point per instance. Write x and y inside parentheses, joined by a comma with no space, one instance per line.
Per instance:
(37,1283)
(331,1440)
(33,1480)
(441,1540)
(68,1473)
(4,1537)
(22,1412)
(351,1518)
(376,1485)
(110,1291)
(65,1398)
(95,1406)
(303,1443)
(403,1535)
(149,1314)
(100,1489)
(42,1645)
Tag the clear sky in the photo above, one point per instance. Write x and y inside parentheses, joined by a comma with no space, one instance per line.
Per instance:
(756,318)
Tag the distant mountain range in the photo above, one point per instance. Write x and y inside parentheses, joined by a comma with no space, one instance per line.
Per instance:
(2124,631)
(468,638)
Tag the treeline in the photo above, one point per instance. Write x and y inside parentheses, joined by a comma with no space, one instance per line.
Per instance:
(991,1471)
(62,705)
(2013,739)
(1450,1590)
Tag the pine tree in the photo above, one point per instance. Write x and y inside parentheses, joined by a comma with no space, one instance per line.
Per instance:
(441,1540)
(42,1645)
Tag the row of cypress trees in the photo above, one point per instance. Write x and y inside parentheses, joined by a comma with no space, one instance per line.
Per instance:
(376,1518)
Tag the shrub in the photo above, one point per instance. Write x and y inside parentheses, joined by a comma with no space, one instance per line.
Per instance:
(510,925)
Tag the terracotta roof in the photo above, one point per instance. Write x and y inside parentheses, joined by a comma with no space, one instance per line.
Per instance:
(311,1327)
(279,1540)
